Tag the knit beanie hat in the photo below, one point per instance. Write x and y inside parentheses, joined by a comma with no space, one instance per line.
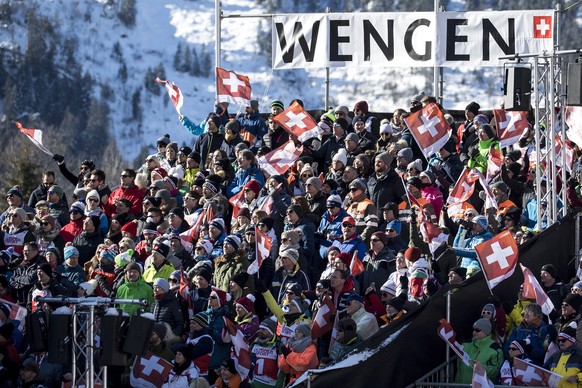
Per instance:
(334,200)
(341,155)
(574,300)
(473,107)
(46,268)
(269,325)
(381,236)
(212,186)
(254,186)
(481,221)
(385,157)
(362,106)
(297,209)
(353,137)
(389,287)
(490,308)
(223,297)
(58,190)
(70,251)
(240,279)
(500,185)
(484,325)
(201,318)
(406,153)
(109,254)
(206,245)
(462,272)
(291,254)
(130,227)
(412,254)
(233,240)
(569,332)
(89,286)
(218,223)
(162,249)
(162,283)
(359,183)
(304,329)
(397,303)
(292,235)
(247,302)
(315,181)
(160,329)
(133,266)
(549,268)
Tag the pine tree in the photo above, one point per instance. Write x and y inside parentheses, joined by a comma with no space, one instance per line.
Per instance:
(127,13)
(187,63)
(123,72)
(195,68)
(136,111)
(178,58)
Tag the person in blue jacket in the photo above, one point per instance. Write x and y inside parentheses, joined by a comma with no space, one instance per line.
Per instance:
(252,126)
(248,170)
(479,234)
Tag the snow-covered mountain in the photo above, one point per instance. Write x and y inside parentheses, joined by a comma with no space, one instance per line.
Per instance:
(105,45)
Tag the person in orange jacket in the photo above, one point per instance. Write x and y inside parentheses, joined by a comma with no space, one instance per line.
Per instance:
(299,355)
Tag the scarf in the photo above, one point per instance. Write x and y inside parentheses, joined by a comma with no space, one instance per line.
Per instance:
(299,346)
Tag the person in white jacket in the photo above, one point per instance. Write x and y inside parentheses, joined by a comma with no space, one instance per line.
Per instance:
(184,370)
(366,322)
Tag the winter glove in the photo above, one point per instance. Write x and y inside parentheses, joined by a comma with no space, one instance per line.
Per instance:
(261,286)
(58,158)
(285,351)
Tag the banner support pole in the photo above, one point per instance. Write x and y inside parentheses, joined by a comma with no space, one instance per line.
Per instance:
(448,348)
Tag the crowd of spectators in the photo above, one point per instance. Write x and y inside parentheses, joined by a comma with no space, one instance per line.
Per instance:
(358,192)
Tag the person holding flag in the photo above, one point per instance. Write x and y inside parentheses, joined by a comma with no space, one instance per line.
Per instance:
(481,348)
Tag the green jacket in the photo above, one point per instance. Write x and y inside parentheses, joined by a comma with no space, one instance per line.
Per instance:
(480,161)
(487,352)
(152,273)
(226,266)
(135,290)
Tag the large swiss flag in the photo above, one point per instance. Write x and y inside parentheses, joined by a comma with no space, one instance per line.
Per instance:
(429,128)
(298,122)
(322,322)
(263,249)
(511,125)
(232,87)
(498,257)
(149,371)
(533,375)
(278,161)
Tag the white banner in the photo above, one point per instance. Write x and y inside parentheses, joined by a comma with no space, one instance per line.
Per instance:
(421,39)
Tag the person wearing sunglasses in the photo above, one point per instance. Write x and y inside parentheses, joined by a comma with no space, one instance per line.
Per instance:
(567,361)
(534,328)
(481,348)
(350,240)
(57,206)
(86,166)
(517,349)
(48,234)
(39,194)
(127,189)
(362,209)
(379,262)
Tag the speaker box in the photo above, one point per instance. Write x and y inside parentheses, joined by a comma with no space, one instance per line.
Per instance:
(112,328)
(517,88)
(574,84)
(60,339)
(37,328)
(138,334)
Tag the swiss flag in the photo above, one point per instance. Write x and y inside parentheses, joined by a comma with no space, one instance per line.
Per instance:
(498,257)
(511,125)
(574,121)
(533,290)
(464,187)
(533,375)
(174,92)
(149,371)
(480,379)
(35,136)
(322,322)
(237,201)
(298,122)
(447,334)
(356,265)
(432,235)
(232,87)
(569,153)
(263,245)
(240,347)
(429,128)
(278,161)
(542,27)
(267,205)
(494,162)
(191,235)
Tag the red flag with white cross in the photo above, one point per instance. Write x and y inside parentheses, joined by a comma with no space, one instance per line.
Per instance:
(149,371)
(237,201)
(533,290)
(542,26)
(494,162)
(511,125)
(240,348)
(298,122)
(429,128)
(35,136)
(448,334)
(480,379)
(174,92)
(278,161)
(232,87)
(498,258)
(464,187)
(263,247)
(533,375)
(323,322)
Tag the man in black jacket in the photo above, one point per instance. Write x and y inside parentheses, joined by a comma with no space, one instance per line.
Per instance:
(24,275)
(384,185)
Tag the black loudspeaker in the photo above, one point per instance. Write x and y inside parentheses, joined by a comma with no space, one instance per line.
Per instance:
(574,84)
(517,88)
(138,334)
(112,328)
(37,328)
(60,339)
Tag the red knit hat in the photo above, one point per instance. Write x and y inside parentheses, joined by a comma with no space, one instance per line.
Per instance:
(247,302)
(130,227)
(346,258)
(412,254)
(254,186)
(223,297)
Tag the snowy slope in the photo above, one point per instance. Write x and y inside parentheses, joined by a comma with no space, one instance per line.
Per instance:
(162,24)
